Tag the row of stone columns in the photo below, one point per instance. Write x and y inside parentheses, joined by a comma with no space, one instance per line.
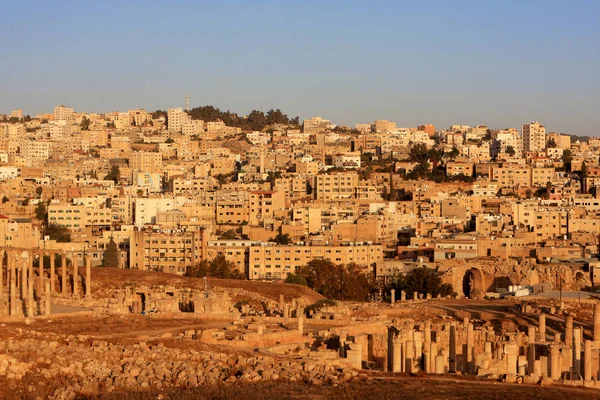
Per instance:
(416,296)
(20,280)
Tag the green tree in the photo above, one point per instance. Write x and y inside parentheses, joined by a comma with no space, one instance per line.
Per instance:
(337,281)
(454,153)
(228,235)
(219,267)
(41,213)
(38,191)
(418,153)
(85,124)
(510,151)
(281,239)
(551,144)
(110,256)
(421,280)
(5,199)
(296,279)
(567,159)
(114,174)
(57,232)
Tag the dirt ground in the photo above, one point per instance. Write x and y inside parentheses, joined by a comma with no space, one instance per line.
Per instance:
(399,387)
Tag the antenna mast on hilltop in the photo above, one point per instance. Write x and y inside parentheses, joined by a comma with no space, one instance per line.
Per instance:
(187,102)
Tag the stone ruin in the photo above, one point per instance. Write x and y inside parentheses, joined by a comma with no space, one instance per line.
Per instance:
(26,291)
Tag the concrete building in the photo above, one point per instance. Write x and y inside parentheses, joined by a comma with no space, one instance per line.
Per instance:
(62,113)
(315,125)
(146,161)
(534,137)
(176,118)
(165,251)
(277,262)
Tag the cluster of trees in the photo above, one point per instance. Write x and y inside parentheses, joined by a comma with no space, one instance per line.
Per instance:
(335,281)
(420,280)
(57,232)
(219,267)
(256,120)
(85,124)
(110,256)
(114,174)
(15,120)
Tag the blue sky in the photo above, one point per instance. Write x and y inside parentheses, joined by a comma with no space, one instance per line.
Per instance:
(500,63)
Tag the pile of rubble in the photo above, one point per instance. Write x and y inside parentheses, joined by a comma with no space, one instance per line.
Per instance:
(100,366)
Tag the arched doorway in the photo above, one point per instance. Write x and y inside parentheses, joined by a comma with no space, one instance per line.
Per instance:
(472,284)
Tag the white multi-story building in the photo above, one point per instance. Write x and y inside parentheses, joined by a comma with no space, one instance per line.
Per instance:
(315,125)
(176,118)
(534,137)
(504,139)
(62,113)
(193,127)
(36,150)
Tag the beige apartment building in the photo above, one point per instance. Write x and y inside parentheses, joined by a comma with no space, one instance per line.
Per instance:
(336,186)
(459,168)
(315,125)
(262,204)
(62,113)
(277,262)
(146,161)
(36,150)
(171,252)
(381,125)
(80,216)
(534,137)
(511,175)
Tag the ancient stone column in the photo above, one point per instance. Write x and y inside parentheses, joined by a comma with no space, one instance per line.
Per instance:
(261,329)
(396,356)
(470,344)
(64,272)
(47,305)
(75,261)
(1,271)
(286,310)
(452,366)
(301,325)
(23,279)
(40,282)
(427,332)
(410,356)
(577,352)
(530,349)
(402,295)
(281,302)
(30,298)
(542,328)
(393,296)
(88,277)
(440,364)
(554,367)
(569,330)
(13,293)
(427,359)
(434,353)
(587,356)
(415,295)
(52,272)
(597,322)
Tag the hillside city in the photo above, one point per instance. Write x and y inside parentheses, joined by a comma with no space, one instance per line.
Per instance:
(270,195)
(197,253)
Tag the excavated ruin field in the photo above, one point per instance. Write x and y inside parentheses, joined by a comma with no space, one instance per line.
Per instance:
(105,280)
(85,355)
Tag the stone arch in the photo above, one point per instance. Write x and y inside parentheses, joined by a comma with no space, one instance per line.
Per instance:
(473,283)
(580,280)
